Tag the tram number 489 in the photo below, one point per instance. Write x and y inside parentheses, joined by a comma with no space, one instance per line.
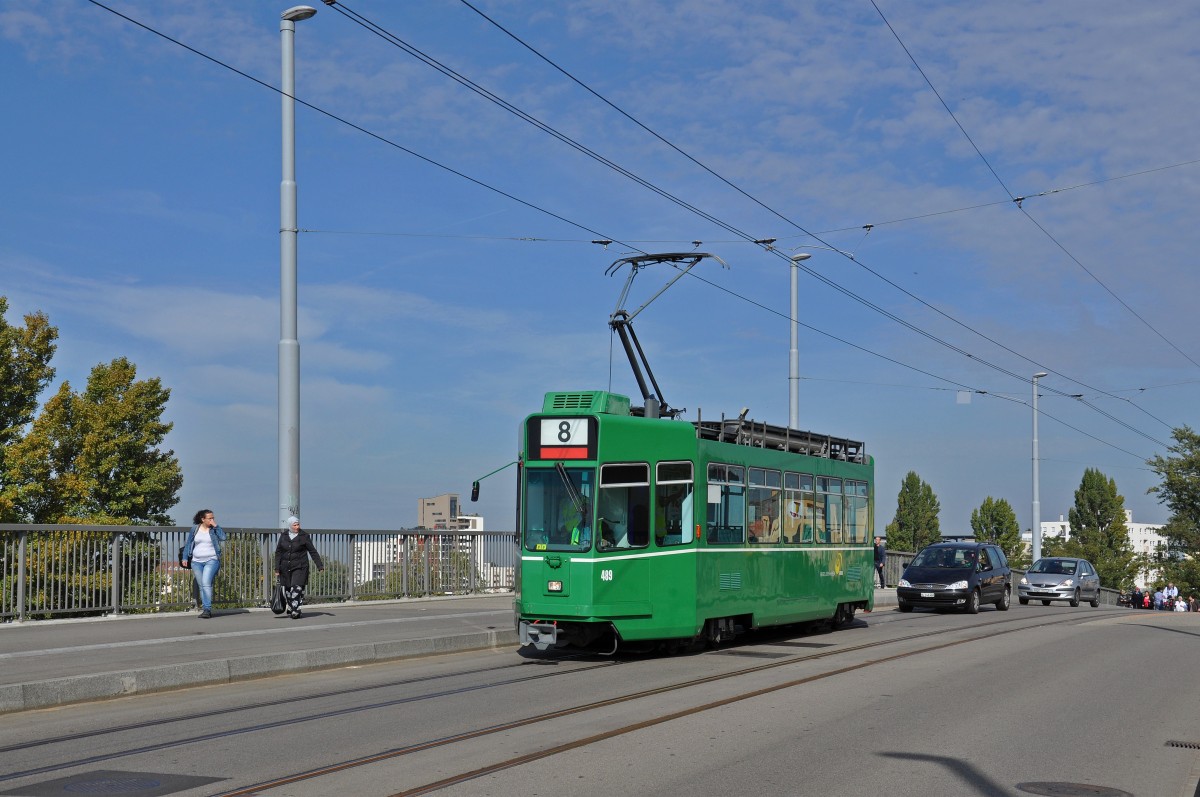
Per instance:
(606,575)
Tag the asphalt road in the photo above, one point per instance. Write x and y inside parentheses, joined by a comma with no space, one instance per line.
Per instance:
(1001,703)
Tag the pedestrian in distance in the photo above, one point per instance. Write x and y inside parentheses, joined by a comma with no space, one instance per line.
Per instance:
(291,564)
(202,553)
(880,560)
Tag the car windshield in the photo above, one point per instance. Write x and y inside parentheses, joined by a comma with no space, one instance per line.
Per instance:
(956,558)
(1054,567)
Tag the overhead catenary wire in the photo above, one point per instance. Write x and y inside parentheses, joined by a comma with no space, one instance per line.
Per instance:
(817,237)
(605,239)
(1017,200)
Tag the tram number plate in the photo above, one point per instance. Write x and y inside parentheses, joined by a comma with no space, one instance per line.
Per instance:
(926,594)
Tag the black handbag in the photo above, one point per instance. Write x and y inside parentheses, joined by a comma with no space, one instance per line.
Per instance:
(278,600)
(181,564)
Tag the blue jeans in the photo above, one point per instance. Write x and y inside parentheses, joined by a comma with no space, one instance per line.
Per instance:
(205,573)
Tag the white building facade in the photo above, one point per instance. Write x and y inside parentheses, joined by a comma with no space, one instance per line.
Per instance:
(1143,537)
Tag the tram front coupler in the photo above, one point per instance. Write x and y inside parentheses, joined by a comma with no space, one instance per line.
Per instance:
(542,636)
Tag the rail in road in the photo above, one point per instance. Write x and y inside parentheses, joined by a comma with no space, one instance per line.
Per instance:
(620,723)
(52,663)
(67,661)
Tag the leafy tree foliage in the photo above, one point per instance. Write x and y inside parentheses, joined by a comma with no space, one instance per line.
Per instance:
(1180,491)
(93,456)
(1098,532)
(25,371)
(916,522)
(996,522)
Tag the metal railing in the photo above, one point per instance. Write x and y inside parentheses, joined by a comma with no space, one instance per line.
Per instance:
(79,571)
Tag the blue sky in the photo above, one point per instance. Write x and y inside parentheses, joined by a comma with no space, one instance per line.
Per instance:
(141,212)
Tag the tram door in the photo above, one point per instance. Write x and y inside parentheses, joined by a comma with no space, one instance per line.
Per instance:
(623,528)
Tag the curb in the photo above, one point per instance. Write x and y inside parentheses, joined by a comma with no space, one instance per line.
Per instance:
(123,683)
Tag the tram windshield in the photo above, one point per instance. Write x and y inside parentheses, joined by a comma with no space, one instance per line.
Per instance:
(559,508)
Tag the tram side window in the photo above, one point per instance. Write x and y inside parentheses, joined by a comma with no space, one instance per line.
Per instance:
(831,497)
(623,506)
(726,504)
(762,505)
(673,523)
(798,508)
(856,512)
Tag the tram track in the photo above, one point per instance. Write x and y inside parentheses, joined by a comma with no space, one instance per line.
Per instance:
(274,724)
(988,630)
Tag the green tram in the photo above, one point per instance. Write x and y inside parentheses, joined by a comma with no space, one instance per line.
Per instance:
(637,530)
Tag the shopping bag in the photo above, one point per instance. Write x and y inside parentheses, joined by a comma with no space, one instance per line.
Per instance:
(278,600)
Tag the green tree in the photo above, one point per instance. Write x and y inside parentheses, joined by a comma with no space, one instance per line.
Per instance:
(916,522)
(1098,532)
(25,371)
(994,521)
(1180,492)
(94,456)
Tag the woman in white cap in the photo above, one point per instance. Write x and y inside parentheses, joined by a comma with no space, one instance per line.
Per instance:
(291,564)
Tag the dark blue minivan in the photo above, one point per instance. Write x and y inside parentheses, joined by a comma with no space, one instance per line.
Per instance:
(956,575)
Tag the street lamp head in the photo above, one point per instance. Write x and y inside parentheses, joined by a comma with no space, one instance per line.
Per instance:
(297,13)
(1040,374)
(801,256)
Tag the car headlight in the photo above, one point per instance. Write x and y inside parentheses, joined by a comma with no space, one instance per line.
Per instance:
(1070,582)
(1024,581)
(957,585)
(903,583)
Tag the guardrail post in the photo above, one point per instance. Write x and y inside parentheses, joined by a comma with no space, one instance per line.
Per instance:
(21,575)
(268,568)
(116,574)
(428,586)
(353,538)
(404,566)
(474,548)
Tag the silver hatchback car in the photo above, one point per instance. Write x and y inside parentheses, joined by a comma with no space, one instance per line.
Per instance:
(1060,578)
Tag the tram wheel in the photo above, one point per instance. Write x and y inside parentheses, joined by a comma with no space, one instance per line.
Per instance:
(844,615)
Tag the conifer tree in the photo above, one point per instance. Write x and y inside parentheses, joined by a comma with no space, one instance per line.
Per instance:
(916,522)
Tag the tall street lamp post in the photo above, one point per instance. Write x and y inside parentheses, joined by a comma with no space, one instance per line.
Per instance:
(289,343)
(1036,531)
(794,372)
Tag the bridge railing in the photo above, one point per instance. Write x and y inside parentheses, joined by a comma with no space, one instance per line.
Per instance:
(79,570)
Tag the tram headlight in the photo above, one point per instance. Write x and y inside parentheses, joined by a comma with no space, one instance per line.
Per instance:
(554,586)
(958,585)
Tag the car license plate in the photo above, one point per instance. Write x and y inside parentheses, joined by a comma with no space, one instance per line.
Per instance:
(926,594)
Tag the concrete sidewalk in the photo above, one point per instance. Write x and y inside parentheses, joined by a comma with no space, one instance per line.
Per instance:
(54,662)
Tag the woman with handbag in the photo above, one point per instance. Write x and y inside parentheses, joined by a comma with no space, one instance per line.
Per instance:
(202,553)
(291,564)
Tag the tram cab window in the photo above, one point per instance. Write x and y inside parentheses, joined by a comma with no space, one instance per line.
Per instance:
(798,508)
(673,521)
(726,504)
(623,506)
(763,505)
(555,517)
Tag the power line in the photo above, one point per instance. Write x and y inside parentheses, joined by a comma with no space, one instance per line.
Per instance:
(815,236)
(604,240)
(361,129)
(1017,200)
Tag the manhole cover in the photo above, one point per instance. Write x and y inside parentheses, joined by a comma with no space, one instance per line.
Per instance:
(1071,790)
(115,782)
